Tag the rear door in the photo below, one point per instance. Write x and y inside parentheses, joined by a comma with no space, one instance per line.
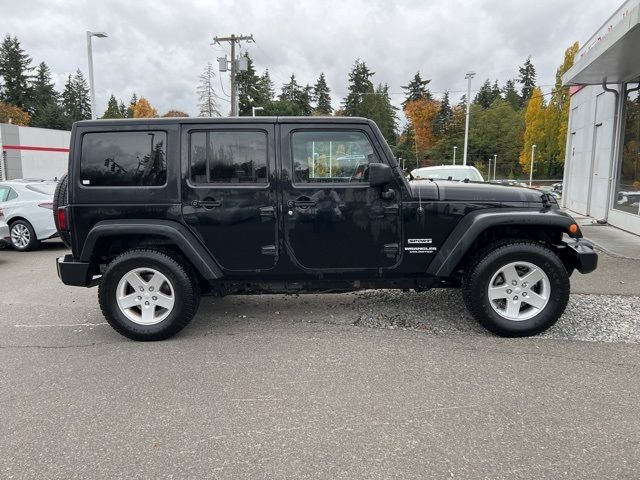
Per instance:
(229,196)
(332,218)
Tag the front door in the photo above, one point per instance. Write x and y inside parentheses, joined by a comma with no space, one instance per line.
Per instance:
(332,218)
(229,193)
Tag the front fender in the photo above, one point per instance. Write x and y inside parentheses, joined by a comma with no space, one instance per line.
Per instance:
(472,225)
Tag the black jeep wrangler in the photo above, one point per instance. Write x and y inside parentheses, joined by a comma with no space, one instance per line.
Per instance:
(158,212)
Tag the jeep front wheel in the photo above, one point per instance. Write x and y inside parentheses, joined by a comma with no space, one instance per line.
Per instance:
(517,288)
(148,295)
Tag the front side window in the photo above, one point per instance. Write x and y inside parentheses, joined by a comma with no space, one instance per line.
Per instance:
(124,159)
(628,187)
(4,191)
(228,157)
(331,156)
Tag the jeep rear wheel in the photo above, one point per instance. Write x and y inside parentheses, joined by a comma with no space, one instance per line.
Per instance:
(517,288)
(148,295)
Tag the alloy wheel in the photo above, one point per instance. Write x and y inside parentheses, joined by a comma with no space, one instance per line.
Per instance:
(145,296)
(519,291)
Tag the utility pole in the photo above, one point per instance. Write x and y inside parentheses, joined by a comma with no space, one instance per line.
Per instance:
(468,76)
(533,155)
(489,174)
(233,39)
(495,163)
(454,154)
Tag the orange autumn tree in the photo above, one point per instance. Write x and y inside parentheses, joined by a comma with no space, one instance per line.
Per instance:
(143,109)
(12,114)
(421,113)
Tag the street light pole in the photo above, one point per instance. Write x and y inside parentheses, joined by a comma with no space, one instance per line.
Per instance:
(454,154)
(533,154)
(489,174)
(92,86)
(468,76)
(255,109)
(495,163)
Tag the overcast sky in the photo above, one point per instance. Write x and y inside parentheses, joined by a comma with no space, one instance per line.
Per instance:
(159,48)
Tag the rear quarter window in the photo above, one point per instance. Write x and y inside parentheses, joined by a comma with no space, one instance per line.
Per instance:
(124,159)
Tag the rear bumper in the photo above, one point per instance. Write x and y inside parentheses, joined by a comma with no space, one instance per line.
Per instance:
(74,273)
(585,257)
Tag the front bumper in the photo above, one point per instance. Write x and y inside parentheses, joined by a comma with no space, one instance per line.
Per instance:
(74,273)
(584,256)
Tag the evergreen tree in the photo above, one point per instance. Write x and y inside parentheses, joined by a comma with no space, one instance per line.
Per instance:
(75,99)
(265,89)
(113,109)
(44,98)
(416,89)
(321,96)
(132,104)
(484,97)
(360,87)
(511,95)
(15,72)
(208,103)
(122,109)
(444,116)
(383,113)
(248,83)
(51,116)
(527,79)
(297,94)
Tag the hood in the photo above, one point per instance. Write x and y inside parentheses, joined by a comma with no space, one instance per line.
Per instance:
(476,192)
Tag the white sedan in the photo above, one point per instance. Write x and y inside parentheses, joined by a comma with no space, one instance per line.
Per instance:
(448,172)
(27,208)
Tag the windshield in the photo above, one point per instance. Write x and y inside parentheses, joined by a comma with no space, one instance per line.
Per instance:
(44,188)
(444,173)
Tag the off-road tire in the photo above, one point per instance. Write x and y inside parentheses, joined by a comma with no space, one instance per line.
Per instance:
(487,262)
(60,199)
(33,244)
(178,272)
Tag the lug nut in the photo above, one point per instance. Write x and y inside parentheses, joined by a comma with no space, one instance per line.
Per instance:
(142,289)
(139,298)
(146,303)
(524,294)
(524,284)
(151,289)
(154,298)
(515,298)
(508,291)
(514,283)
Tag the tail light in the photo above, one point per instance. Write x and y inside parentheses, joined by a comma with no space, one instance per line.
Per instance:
(63,223)
(48,205)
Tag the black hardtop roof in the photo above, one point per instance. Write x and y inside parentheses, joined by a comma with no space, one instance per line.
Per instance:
(227,120)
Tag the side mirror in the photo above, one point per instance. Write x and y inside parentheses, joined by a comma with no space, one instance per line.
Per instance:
(380,174)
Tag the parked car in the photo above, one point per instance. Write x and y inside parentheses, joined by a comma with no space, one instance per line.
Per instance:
(27,206)
(557,187)
(448,172)
(549,191)
(150,210)
(4,232)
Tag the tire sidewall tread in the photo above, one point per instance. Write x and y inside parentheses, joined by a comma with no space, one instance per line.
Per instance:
(487,263)
(186,291)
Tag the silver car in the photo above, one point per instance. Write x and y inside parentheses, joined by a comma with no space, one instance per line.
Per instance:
(4,232)
(27,208)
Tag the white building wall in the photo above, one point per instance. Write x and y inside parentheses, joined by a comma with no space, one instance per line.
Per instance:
(588,173)
(47,158)
(44,164)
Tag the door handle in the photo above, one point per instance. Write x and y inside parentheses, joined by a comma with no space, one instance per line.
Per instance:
(206,203)
(267,212)
(302,203)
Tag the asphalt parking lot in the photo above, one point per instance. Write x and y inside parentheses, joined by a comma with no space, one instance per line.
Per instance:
(368,385)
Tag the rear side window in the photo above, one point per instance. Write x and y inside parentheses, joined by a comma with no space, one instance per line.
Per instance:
(228,157)
(124,159)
